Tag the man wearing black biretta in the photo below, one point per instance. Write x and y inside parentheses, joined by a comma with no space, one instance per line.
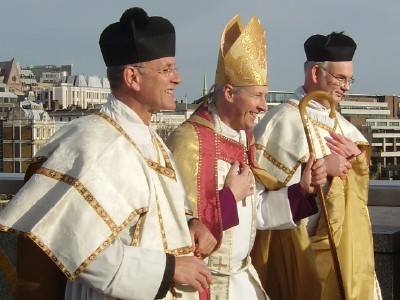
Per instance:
(107,205)
(139,52)
(309,267)
(333,47)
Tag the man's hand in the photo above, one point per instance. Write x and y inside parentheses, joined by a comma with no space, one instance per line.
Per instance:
(202,238)
(240,180)
(314,174)
(337,165)
(342,145)
(192,271)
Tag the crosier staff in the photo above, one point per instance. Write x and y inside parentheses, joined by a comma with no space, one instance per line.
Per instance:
(304,119)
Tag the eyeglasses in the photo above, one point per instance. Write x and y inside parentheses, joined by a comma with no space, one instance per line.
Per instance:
(342,81)
(167,72)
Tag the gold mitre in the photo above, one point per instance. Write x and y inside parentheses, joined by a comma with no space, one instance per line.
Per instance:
(242,59)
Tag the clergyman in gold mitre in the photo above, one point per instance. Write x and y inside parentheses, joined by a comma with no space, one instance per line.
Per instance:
(214,144)
(242,59)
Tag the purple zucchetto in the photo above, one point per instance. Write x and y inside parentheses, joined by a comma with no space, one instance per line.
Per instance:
(333,47)
(137,38)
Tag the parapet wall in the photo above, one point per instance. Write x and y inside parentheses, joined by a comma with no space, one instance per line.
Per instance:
(384,209)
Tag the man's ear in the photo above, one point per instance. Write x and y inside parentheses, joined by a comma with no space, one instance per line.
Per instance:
(131,77)
(228,92)
(316,72)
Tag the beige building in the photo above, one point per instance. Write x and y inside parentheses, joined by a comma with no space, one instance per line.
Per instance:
(7,100)
(377,118)
(25,130)
(79,91)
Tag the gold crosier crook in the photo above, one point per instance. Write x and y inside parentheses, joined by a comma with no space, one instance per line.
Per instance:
(304,118)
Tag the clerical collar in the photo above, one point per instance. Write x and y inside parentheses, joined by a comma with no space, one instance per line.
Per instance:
(225,130)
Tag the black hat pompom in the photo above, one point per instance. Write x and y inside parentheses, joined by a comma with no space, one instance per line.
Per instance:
(138,15)
(137,38)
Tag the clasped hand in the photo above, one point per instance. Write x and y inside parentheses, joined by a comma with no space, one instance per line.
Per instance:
(342,149)
(240,181)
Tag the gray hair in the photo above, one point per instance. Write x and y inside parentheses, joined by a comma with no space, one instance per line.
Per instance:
(115,75)
(218,89)
(308,65)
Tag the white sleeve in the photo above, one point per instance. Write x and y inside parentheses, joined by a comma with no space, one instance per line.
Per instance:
(273,209)
(126,272)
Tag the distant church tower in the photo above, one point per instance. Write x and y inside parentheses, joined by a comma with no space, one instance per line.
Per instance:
(205,89)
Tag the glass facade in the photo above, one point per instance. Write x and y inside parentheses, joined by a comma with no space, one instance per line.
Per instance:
(278,97)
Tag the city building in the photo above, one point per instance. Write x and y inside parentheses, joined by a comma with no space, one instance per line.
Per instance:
(77,90)
(50,73)
(28,81)
(7,100)
(9,75)
(164,122)
(25,130)
(384,136)
(376,116)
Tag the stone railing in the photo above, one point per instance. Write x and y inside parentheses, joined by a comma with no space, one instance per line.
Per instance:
(383,206)
(384,209)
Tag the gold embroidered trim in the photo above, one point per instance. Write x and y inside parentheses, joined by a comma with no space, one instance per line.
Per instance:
(221,260)
(81,189)
(166,171)
(319,124)
(49,254)
(298,164)
(280,165)
(107,242)
(161,222)
(316,124)
(104,245)
(8,229)
(216,187)
(136,233)
(181,251)
(319,138)
(324,126)
(292,104)
(273,160)
(97,207)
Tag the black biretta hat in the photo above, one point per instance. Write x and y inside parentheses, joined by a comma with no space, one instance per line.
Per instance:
(137,38)
(333,47)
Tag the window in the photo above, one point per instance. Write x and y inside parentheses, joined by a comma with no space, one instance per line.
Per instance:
(17,150)
(17,167)
(17,133)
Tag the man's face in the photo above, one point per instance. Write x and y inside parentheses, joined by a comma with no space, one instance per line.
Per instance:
(334,79)
(157,85)
(247,103)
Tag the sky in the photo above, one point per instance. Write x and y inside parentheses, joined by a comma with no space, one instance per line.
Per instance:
(54,32)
